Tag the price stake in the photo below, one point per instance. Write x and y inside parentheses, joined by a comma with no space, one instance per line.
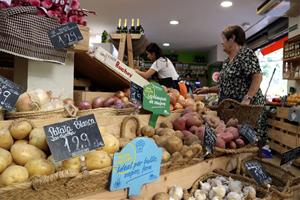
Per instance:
(249,133)
(73,137)
(9,93)
(136,93)
(290,155)
(257,172)
(65,35)
(210,138)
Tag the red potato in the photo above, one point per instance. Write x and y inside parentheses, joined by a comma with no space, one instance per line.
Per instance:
(194,129)
(187,110)
(234,131)
(200,133)
(220,129)
(186,133)
(239,143)
(193,121)
(226,136)
(232,145)
(179,124)
(178,106)
(220,143)
(232,122)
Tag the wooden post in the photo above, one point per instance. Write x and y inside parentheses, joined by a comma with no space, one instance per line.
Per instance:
(122,46)
(130,51)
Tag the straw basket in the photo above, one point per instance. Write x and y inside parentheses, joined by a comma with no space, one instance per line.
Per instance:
(244,113)
(106,111)
(246,149)
(281,178)
(2,112)
(260,192)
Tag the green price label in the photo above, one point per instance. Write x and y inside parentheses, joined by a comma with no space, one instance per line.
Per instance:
(156,100)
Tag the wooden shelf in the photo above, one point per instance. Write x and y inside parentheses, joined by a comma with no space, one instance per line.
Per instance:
(292,59)
(117,36)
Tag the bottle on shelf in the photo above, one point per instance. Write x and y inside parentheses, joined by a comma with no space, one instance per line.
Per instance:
(119,28)
(139,28)
(125,29)
(132,28)
(286,72)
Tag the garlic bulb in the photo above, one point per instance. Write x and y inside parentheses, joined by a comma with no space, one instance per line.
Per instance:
(176,192)
(191,198)
(216,198)
(200,195)
(218,191)
(205,187)
(214,182)
(223,179)
(234,196)
(249,192)
(235,186)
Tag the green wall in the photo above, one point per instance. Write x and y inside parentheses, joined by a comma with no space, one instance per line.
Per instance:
(188,56)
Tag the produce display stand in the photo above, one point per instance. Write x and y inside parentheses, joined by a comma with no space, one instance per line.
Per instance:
(184,177)
(283,134)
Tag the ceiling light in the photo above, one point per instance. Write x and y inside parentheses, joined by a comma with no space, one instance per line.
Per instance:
(174,22)
(226,4)
(166,44)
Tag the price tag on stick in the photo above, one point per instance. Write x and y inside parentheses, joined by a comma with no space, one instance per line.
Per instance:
(73,137)
(257,171)
(210,139)
(249,133)
(290,155)
(65,35)
(136,93)
(9,93)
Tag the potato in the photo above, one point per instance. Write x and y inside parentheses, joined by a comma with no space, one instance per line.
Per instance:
(227,136)
(5,159)
(14,174)
(239,143)
(166,124)
(161,196)
(179,134)
(232,145)
(111,143)
(190,139)
(232,122)
(179,124)
(193,121)
(97,160)
(37,137)
(220,143)
(57,165)
(184,149)
(6,140)
(158,130)
(196,148)
(166,132)
(20,129)
(148,131)
(166,156)
(72,163)
(21,142)
(234,131)
(39,167)
(160,140)
(22,153)
(188,154)
(173,144)
(176,157)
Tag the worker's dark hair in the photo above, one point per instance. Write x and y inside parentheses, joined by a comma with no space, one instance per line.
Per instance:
(238,32)
(154,48)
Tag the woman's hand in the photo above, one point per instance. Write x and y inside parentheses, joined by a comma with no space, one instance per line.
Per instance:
(246,102)
(203,90)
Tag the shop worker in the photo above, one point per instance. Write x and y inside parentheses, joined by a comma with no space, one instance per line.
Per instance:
(165,69)
(241,76)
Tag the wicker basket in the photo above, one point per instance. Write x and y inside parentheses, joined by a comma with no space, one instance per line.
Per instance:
(261,192)
(2,113)
(247,149)
(106,111)
(281,179)
(244,113)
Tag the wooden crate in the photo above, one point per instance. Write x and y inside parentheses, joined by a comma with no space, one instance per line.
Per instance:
(89,96)
(82,45)
(284,135)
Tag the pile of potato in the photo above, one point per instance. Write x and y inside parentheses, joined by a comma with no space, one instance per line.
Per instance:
(24,153)
(192,126)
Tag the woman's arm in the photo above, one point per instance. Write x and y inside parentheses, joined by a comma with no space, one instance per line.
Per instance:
(254,87)
(147,74)
(204,90)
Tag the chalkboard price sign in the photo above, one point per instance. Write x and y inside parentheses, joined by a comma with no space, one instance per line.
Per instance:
(290,155)
(249,133)
(136,93)
(65,35)
(210,138)
(73,137)
(9,93)
(257,171)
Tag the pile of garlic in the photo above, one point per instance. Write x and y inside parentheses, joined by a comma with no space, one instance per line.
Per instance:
(223,188)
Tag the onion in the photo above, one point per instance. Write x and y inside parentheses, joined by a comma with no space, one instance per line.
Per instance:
(42,95)
(120,94)
(119,105)
(109,102)
(181,100)
(84,105)
(125,100)
(127,93)
(68,101)
(98,102)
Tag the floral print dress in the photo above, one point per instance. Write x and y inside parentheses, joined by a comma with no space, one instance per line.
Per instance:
(235,80)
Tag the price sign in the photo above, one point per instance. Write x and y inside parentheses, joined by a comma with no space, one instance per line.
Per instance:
(290,155)
(294,114)
(249,133)
(65,35)
(73,137)
(210,138)
(9,93)
(156,100)
(257,171)
(136,93)
(137,164)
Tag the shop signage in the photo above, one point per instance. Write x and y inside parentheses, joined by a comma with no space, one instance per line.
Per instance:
(294,114)
(257,172)
(136,93)
(290,155)
(9,93)
(249,133)
(210,138)
(73,137)
(137,164)
(65,35)
(156,100)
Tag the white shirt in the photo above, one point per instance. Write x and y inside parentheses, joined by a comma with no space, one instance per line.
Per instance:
(165,68)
